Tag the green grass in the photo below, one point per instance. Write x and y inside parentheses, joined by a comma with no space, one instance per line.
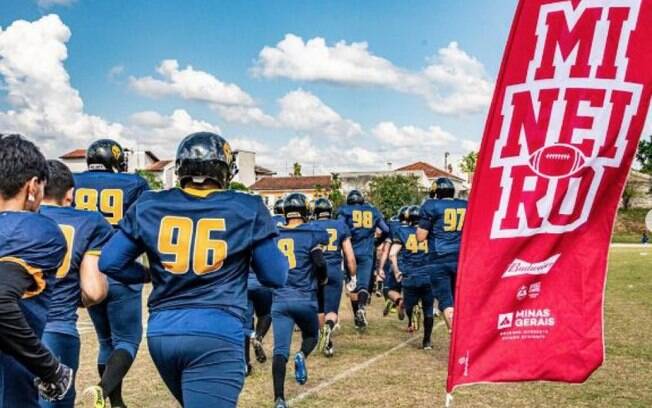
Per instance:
(411,377)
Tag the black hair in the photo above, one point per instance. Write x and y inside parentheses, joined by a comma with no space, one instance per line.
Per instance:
(60,181)
(20,161)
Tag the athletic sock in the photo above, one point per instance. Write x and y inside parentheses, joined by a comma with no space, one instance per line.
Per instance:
(308,344)
(100,369)
(427,327)
(278,374)
(115,397)
(330,324)
(247,340)
(262,325)
(409,315)
(362,299)
(117,367)
(354,306)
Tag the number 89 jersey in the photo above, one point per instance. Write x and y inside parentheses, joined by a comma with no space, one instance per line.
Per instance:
(444,220)
(199,245)
(109,193)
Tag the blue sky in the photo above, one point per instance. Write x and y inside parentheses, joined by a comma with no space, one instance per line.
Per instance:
(345,108)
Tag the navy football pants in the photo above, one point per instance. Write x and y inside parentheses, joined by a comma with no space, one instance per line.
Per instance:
(413,294)
(332,292)
(118,320)
(364,273)
(443,274)
(259,304)
(285,315)
(66,348)
(200,371)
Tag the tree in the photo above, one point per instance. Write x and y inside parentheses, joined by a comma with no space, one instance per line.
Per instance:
(296,170)
(236,185)
(644,155)
(469,162)
(336,195)
(152,180)
(390,193)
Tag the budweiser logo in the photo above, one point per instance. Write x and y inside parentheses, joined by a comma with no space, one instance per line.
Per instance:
(519,267)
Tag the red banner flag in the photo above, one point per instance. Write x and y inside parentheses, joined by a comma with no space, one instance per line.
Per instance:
(568,110)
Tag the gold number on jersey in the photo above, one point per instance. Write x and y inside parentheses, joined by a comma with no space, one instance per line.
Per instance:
(110,202)
(332,234)
(175,238)
(454,219)
(363,219)
(415,246)
(69,233)
(286,245)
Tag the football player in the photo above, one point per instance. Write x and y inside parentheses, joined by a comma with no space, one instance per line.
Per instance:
(441,222)
(296,302)
(412,269)
(259,308)
(278,216)
(391,288)
(78,278)
(32,247)
(339,249)
(107,188)
(201,241)
(365,222)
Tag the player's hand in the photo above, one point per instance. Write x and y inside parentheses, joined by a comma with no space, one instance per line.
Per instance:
(55,391)
(381,274)
(351,284)
(399,277)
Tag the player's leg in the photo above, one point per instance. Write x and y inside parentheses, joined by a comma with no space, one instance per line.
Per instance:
(100,317)
(410,298)
(283,328)
(125,318)
(66,347)
(332,300)
(213,374)
(167,357)
(364,274)
(427,301)
(441,287)
(248,330)
(262,302)
(305,316)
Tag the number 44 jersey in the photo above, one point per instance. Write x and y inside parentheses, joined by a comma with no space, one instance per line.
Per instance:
(444,220)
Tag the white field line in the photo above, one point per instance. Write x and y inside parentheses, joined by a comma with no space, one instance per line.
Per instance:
(354,369)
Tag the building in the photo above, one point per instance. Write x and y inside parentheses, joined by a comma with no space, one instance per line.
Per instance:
(360,180)
(432,173)
(136,160)
(273,188)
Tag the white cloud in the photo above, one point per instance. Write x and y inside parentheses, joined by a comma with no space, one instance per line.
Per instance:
(116,71)
(51,3)
(453,82)
(245,115)
(43,104)
(389,133)
(162,132)
(190,84)
(304,112)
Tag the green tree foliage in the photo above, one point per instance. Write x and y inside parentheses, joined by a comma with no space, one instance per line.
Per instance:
(469,162)
(389,193)
(336,195)
(236,185)
(152,180)
(296,170)
(644,155)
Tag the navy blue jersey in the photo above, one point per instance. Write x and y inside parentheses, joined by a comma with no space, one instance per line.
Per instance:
(86,233)
(393,225)
(362,220)
(199,246)
(278,219)
(297,244)
(444,220)
(37,244)
(252,281)
(414,260)
(109,193)
(338,232)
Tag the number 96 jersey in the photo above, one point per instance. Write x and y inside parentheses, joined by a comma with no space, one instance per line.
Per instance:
(199,245)
(109,193)
(444,220)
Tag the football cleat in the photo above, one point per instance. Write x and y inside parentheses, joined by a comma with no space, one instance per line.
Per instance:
(300,368)
(361,319)
(427,344)
(324,338)
(401,310)
(257,342)
(280,403)
(388,307)
(417,315)
(93,397)
(329,351)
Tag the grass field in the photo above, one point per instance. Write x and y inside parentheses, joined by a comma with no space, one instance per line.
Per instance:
(410,377)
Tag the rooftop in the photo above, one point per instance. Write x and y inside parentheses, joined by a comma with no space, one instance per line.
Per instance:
(292,183)
(430,170)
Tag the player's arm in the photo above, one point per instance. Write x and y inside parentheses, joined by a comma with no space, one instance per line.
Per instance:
(269,264)
(118,260)
(92,282)
(349,257)
(425,224)
(17,339)
(384,256)
(393,256)
(319,263)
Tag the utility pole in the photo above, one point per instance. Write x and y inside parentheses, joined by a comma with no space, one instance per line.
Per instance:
(446,154)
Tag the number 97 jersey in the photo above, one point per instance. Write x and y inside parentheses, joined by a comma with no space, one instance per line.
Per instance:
(199,245)
(443,219)
(109,193)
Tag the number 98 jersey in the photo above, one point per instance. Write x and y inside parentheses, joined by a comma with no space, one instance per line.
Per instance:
(362,220)
(109,193)
(199,245)
(444,220)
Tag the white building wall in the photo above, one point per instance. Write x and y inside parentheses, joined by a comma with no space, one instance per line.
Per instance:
(246,162)
(75,165)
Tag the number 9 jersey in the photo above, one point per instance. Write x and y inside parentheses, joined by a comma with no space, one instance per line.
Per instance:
(109,193)
(443,219)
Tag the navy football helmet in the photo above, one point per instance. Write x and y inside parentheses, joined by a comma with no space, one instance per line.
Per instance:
(278,207)
(205,156)
(295,205)
(355,197)
(106,154)
(403,214)
(413,215)
(442,188)
(323,208)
